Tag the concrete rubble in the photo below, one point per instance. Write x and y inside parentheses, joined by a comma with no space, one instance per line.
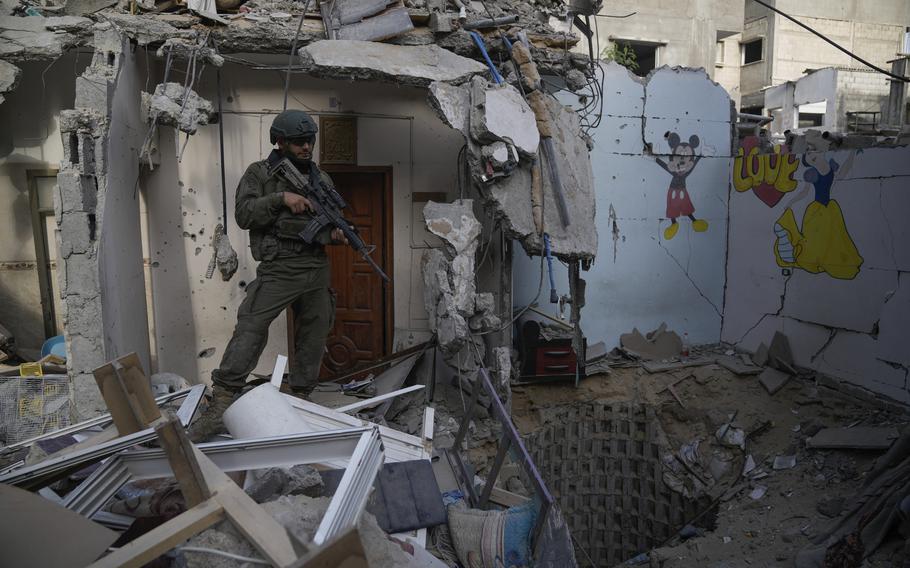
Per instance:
(450,290)
(498,120)
(415,66)
(9,78)
(172,104)
(40,38)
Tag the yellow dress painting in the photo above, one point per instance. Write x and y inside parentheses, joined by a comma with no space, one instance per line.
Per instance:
(822,243)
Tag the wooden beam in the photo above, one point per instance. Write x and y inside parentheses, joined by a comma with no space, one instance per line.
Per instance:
(159,540)
(179,451)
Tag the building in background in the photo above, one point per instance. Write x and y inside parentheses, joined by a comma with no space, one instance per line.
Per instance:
(688,33)
(802,81)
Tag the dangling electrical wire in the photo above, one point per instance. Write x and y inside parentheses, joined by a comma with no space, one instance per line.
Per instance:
(287,80)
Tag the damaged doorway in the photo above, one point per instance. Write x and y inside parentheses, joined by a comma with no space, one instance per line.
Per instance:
(41,186)
(363,318)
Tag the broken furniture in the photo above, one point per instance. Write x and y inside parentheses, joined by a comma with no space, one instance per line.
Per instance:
(56,467)
(211,496)
(546,358)
(550,534)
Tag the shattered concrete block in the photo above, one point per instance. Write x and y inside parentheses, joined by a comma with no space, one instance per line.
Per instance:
(271,483)
(500,155)
(77,192)
(75,230)
(37,37)
(225,255)
(146,30)
(80,271)
(174,105)
(81,120)
(185,49)
(485,303)
(434,267)
(457,226)
(416,66)
(510,196)
(9,78)
(452,103)
(501,113)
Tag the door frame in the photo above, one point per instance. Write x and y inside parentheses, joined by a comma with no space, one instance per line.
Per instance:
(42,246)
(388,312)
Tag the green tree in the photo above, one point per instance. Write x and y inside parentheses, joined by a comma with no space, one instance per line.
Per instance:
(622,54)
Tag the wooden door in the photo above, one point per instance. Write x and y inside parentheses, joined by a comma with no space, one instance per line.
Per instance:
(362,318)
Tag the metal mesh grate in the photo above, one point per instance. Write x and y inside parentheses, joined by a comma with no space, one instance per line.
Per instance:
(602,463)
(31,406)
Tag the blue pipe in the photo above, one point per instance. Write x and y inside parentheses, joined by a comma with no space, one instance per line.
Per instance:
(497,78)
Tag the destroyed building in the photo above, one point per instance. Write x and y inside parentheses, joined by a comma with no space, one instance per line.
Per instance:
(538,212)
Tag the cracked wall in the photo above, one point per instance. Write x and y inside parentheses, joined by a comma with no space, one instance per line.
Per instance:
(646,272)
(826,266)
(101,276)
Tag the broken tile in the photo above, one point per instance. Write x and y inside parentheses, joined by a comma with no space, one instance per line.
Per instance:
(773,380)
(784,462)
(858,438)
(780,355)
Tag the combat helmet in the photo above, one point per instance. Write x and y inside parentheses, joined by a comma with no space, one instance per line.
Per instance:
(291,124)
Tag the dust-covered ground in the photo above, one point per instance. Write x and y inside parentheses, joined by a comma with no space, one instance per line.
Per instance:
(762,519)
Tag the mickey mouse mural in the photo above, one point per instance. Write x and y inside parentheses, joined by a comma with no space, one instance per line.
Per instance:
(681,163)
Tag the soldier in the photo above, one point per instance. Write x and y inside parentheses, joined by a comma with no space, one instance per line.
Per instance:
(289,272)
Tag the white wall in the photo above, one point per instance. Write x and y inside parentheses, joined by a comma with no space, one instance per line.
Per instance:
(29,140)
(396,128)
(640,278)
(120,260)
(850,328)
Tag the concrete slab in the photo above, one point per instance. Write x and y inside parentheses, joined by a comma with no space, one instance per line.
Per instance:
(624,93)
(452,103)
(9,78)
(773,380)
(417,66)
(678,92)
(857,438)
(506,116)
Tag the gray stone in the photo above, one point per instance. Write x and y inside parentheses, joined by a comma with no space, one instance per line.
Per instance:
(503,114)
(81,120)
(416,66)
(77,192)
(9,78)
(452,103)
(75,233)
(485,303)
(576,80)
(225,255)
(267,484)
(456,224)
(80,275)
(174,105)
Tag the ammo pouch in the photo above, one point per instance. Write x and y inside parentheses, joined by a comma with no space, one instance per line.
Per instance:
(266,249)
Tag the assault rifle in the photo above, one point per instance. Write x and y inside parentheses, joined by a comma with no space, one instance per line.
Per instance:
(327,206)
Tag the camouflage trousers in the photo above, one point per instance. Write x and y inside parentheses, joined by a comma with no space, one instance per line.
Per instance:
(281,283)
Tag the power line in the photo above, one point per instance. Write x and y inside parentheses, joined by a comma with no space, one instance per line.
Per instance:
(845,50)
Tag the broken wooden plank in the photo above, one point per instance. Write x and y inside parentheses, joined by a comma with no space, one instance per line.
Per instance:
(179,452)
(773,380)
(389,24)
(345,550)
(858,438)
(164,537)
(127,394)
(664,366)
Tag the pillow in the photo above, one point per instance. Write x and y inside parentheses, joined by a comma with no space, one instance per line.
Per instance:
(492,539)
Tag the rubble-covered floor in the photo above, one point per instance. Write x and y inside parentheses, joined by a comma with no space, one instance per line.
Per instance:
(797,503)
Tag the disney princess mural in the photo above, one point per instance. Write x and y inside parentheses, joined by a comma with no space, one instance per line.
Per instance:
(821,243)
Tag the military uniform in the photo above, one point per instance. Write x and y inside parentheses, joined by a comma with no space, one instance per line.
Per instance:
(290,272)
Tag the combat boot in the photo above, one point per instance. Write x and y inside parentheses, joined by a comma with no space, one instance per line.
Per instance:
(210,423)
